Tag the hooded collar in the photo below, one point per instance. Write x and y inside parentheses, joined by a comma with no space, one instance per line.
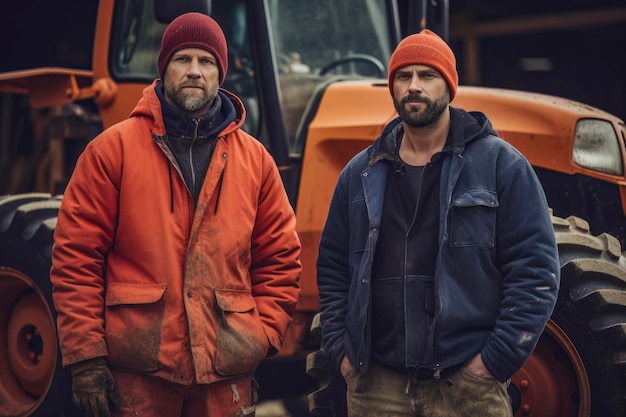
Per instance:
(149,105)
(178,123)
(464,128)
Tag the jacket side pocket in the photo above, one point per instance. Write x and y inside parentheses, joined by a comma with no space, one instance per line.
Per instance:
(241,343)
(133,322)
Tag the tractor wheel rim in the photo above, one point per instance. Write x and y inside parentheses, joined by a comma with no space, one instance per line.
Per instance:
(30,350)
(553,382)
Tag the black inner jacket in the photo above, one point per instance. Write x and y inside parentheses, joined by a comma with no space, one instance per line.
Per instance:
(404,264)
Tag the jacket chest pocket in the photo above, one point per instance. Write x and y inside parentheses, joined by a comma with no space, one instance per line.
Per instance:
(473,219)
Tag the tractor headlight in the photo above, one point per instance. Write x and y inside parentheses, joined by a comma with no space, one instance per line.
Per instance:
(596,147)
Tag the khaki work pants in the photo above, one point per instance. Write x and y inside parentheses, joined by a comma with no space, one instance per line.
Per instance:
(147,396)
(390,394)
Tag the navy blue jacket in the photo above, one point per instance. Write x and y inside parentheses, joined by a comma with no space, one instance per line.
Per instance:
(497,272)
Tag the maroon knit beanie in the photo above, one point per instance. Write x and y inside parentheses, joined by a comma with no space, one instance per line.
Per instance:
(194,30)
(425,48)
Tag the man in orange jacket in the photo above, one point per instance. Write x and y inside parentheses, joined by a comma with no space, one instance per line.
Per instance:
(176,262)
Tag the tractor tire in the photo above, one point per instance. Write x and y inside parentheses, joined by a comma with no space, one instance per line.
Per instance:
(578,367)
(32,380)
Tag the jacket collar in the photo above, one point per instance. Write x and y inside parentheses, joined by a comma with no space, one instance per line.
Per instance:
(179,124)
(149,105)
(464,128)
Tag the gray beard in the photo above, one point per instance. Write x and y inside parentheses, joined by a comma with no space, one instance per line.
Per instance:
(192,103)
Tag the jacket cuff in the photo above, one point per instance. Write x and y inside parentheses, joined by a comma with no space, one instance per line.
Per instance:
(80,367)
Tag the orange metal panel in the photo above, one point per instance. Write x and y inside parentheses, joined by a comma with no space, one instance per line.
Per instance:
(124,96)
(540,126)
(48,86)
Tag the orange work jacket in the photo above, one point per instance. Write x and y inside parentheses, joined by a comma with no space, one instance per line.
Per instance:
(142,277)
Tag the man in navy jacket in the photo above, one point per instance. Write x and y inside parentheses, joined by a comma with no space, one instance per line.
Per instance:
(438,267)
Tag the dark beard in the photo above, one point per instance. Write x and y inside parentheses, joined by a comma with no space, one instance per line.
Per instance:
(423,118)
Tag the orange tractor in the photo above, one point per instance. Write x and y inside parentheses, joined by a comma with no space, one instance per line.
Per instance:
(313,78)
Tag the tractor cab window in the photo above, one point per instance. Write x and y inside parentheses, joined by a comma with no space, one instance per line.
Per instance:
(135,42)
(233,17)
(317,42)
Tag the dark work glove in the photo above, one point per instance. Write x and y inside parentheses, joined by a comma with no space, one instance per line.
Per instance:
(93,388)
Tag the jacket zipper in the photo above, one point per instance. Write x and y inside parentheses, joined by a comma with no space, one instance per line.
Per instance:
(192,167)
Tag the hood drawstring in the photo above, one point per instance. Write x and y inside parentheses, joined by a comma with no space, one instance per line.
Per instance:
(219,190)
(169,172)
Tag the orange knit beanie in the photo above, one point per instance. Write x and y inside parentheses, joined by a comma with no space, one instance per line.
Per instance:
(425,48)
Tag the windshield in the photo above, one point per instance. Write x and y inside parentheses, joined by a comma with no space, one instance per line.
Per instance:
(313,35)
(314,42)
